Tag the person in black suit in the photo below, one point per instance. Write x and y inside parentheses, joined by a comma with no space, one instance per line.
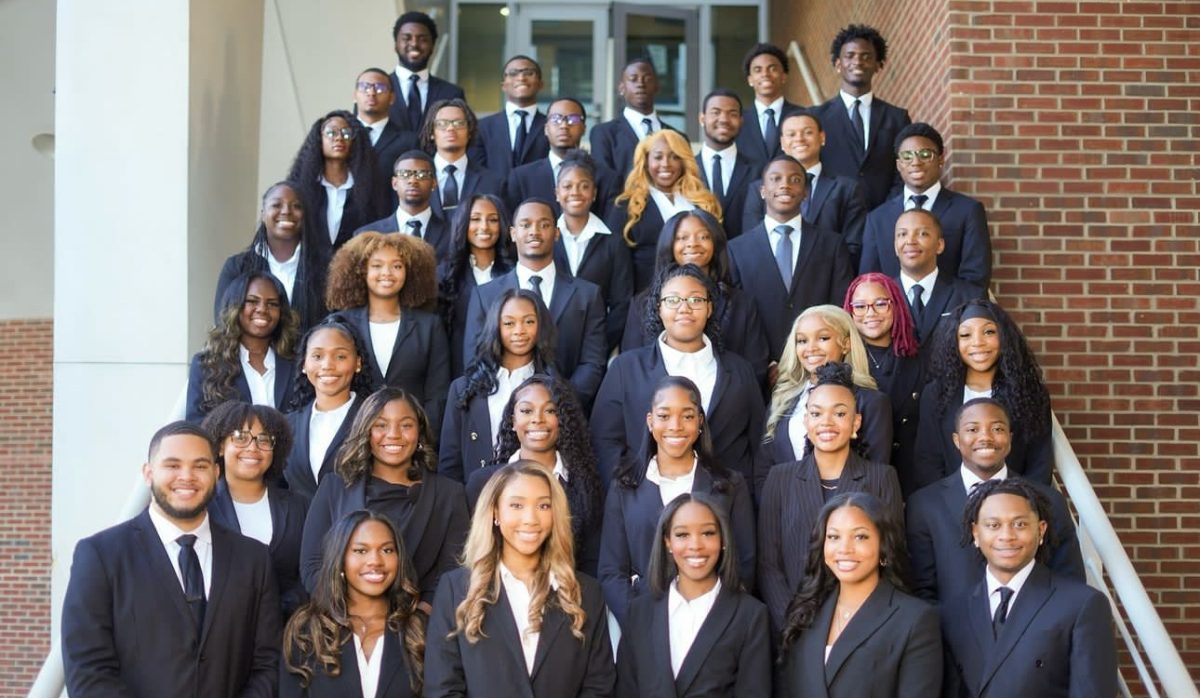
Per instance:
(379,285)
(330,387)
(676,456)
(852,631)
(566,121)
(785,275)
(715,635)
(414,183)
(284,245)
(766,69)
(978,351)
(613,142)
(388,465)
(448,130)
(170,603)
(253,442)
(967,252)
(516,135)
(575,304)
(861,126)
(1023,629)
(724,169)
(248,354)
(794,491)
(587,247)
(365,610)
(517,619)
(338,177)
(943,565)
(373,98)
(415,35)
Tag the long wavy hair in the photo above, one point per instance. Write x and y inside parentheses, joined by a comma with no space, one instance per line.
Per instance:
(636,195)
(371,198)
(481,555)
(230,416)
(662,568)
(904,330)
(313,638)
(459,264)
(220,361)
(489,350)
(1017,383)
(354,459)
(652,322)
(303,392)
(819,581)
(347,284)
(794,377)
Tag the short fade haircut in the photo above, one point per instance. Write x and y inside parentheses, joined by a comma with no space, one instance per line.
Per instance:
(962,409)
(533,201)
(381,71)
(414,155)
(572,100)
(415,18)
(937,225)
(537,67)
(782,157)
(923,130)
(643,58)
(806,113)
(179,428)
(720,92)
(855,32)
(764,49)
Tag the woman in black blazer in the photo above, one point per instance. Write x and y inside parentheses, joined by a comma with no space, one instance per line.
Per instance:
(696,237)
(380,283)
(517,619)
(480,250)
(852,631)
(676,456)
(694,582)
(794,492)
(254,442)
(388,465)
(257,326)
(365,609)
(517,340)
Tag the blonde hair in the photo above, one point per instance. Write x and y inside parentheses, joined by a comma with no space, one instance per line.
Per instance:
(794,377)
(481,555)
(690,185)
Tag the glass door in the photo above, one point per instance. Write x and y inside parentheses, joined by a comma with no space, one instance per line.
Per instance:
(670,37)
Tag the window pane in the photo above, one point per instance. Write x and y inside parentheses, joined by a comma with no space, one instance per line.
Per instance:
(733,33)
(481,30)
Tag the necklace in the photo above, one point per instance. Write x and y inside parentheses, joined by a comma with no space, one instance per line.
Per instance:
(843,615)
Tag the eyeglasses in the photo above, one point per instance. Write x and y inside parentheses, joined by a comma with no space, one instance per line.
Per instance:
(880,305)
(520,73)
(924,155)
(673,302)
(241,439)
(334,134)
(415,174)
(569,119)
(375,87)
(449,124)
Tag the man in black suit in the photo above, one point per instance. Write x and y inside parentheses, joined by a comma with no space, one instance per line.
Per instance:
(448,131)
(613,142)
(515,135)
(785,275)
(415,35)
(931,296)
(725,169)
(920,155)
(861,127)
(373,97)
(169,603)
(943,566)
(575,304)
(414,182)
(766,69)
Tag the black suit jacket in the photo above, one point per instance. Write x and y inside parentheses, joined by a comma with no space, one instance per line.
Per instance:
(393,142)
(285,372)
(578,312)
(731,655)
(630,531)
(613,143)
(352,221)
(948,293)
(891,647)
(1057,641)
(467,438)
(836,203)
(457,330)
(607,263)
(536,179)
(750,138)
(875,169)
(394,681)
(288,510)
(968,252)
(745,169)
(477,180)
(437,233)
(645,234)
(127,629)
(790,502)
(439,89)
(822,275)
(901,378)
(298,472)
(494,667)
(493,149)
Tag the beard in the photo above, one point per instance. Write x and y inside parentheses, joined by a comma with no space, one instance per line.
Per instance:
(414,67)
(160,497)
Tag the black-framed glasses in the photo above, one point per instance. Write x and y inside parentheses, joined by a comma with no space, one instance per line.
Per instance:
(568,119)
(449,124)
(520,73)
(881,305)
(924,155)
(415,174)
(242,438)
(334,134)
(673,302)
(373,87)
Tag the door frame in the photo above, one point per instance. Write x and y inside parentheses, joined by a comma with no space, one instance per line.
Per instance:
(691,87)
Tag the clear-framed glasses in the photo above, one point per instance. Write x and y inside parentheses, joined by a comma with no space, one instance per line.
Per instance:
(568,119)
(335,134)
(242,438)
(449,124)
(373,87)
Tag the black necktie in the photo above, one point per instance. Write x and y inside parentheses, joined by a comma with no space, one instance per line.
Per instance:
(450,188)
(860,135)
(415,113)
(1001,616)
(808,187)
(771,133)
(193,579)
(536,282)
(414,227)
(718,179)
(648,126)
(918,303)
(918,200)
(519,142)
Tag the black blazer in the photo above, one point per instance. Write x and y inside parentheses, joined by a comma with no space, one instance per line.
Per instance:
(536,179)
(494,667)
(745,169)
(394,681)
(492,147)
(790,502)
(613,143)
(433,535)
(352,221)
(734,417)
(477,180)
(457,330)
(437,233)
(822,275)
(308,295)
(730,657)
(645,234)
(948,293)
(630,531)
(750,138)
(297,472)
(892,648)
(127,629)
(393,142)
(288,510)
(607,263)
(968,252)
(439,89)
(943,568)
(875,169)
(1057,641)
(902,383)
(285,372)
(835,203)
(467,438)
(578,312)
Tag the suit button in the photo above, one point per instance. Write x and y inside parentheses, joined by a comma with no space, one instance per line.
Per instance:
(904,420)
(474,436)
(1039,664)
(916,396)
(482,462)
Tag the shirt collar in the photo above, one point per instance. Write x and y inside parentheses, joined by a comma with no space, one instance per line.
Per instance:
(675,600)
(777,105)
(510,109)
(634,117)
(516,375)
(728,155)
(167,530)
(675,357)
(268,360)
(653,474)
(560,470)
(970,479)
(329,185)
(796,223)
(594,226)
(931,192)
(1018,580)
(374,125)
(338,411)
(864,100)
(439,163)
(403,217)
(926,282)
(265,253)
(507,577)
(555,161)
(403,73)
(815,170)
(524,272)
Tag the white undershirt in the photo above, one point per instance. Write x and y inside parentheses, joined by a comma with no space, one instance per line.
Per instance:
(518,599)
(285,271)
(506,382)
(576,245)
(383,341)
(700,366)
(168,532)
(369,667)
(322,427)
(668,204)
(547,285)
(971,480)
(262,385)
(670,487)
(684,619)
(254,519)
(482,274)
(993,585)
(969,394)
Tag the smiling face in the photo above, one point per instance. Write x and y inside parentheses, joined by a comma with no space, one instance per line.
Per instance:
(1008,532)
(246,463)
(693,243)
(852,546)
(521,82)
(663,166)
(395,434)
(979,346)
(831,418)
(525,516)
(783,189)
(334,145)
(330,362)
(721,121)
(674,422)
(535,420)
(694,541)
(639,86)
(371,561)
(518,330)
(414,46)
(483,227)
(983,439)
(918,242)
(385,274)
(857,64)
(282,214)
(818,343)
(801,137)
(182,477)
(919,174)
(766,77)
(684,324)
(260,310)
(874,324)
(534,233)
(576,191)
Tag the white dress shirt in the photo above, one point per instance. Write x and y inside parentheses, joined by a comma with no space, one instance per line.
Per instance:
(761,108)
(815,171)
(560,470)
(927,282)
(555,163)
(383,341)
(322,427)
(670,487)
(796,429)
(518,599)
(168,532)
(669,205)
(514,121)
(482,274)
(700,366)
(262,385)
(506,382)
(971,480)
(932,192)
(254,519)
(369,667)
(993,586)
(634,118)
(728,158)
(375,129)
(576,245)
(684,619)
(460,173)
(402,76)
(335,198)
(773,237)
(547,274)
(403,217)
(285,271)
(864,110)
(969,394)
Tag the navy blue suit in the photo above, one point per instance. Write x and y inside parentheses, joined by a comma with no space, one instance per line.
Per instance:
(477,180)
(467,438)
(394,674)
(606,262)
(436,233)
(745,169)
(493,147)
(298,472)
(285,372)
(874,169)
(835,203)
(536,180)
(750,138)
(439,89)
(613,143)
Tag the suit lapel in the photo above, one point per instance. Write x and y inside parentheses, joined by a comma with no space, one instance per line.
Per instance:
(1035,593)
(284,372)
(553,623)
(721,386)
(222,564)
(812,649)
(222,503)
(303,469)
(737,181)
(875,611)
(767,261)
(481,425)
(395,665)
(536,126)
(808,239)
(821,189)
(159,564)
(564,288)
(359,319)
(979,617)
(933,309)
(402,333)
(279,516)
(511,637)
(876,121)
(711,630)
(338,438)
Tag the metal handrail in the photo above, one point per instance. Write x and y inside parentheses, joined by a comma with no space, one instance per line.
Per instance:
(806,72)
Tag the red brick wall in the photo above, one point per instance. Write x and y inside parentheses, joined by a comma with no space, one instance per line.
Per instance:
(26,380)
